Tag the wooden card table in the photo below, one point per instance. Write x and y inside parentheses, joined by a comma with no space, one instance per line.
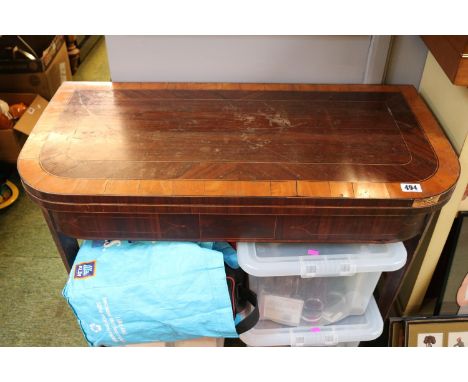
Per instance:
(238,162)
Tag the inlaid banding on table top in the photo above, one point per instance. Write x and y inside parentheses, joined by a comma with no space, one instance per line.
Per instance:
(43,182)
(238,140)
(237,135)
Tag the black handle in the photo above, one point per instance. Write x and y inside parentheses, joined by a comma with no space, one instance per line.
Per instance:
(251,320)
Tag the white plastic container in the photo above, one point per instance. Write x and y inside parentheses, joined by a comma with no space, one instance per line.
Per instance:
(316,284)
(196,342)
(347,332)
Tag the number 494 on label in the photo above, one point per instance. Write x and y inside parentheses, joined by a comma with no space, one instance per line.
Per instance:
(411,187)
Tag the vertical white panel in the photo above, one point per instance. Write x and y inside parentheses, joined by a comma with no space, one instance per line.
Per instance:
(307,59)
(377,59)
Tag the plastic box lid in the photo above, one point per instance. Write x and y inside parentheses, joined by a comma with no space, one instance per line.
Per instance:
(319,260)
(365,327)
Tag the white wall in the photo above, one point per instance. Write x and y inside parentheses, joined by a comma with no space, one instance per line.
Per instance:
(449,103)
(309,59)
(407,59)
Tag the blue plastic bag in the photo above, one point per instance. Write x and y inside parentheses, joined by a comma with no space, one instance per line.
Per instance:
(135,292)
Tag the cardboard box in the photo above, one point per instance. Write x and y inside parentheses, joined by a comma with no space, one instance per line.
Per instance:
(45,83)
(11,141)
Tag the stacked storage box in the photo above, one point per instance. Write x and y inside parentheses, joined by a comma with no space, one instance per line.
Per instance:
(197,342)
(317,294)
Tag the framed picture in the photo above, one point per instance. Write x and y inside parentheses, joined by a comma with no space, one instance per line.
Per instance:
(437,332)
(454,296)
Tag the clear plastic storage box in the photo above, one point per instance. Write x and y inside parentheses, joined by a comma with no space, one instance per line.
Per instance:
(347,332)
(299,285)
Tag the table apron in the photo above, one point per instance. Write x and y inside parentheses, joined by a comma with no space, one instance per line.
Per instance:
(237,227)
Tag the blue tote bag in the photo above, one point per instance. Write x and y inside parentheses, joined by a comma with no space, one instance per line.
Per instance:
(134,292)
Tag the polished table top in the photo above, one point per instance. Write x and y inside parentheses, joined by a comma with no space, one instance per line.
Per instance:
(239,140)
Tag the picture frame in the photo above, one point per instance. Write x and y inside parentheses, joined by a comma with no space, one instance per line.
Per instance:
(453,298)
(437,332)
(396,332)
